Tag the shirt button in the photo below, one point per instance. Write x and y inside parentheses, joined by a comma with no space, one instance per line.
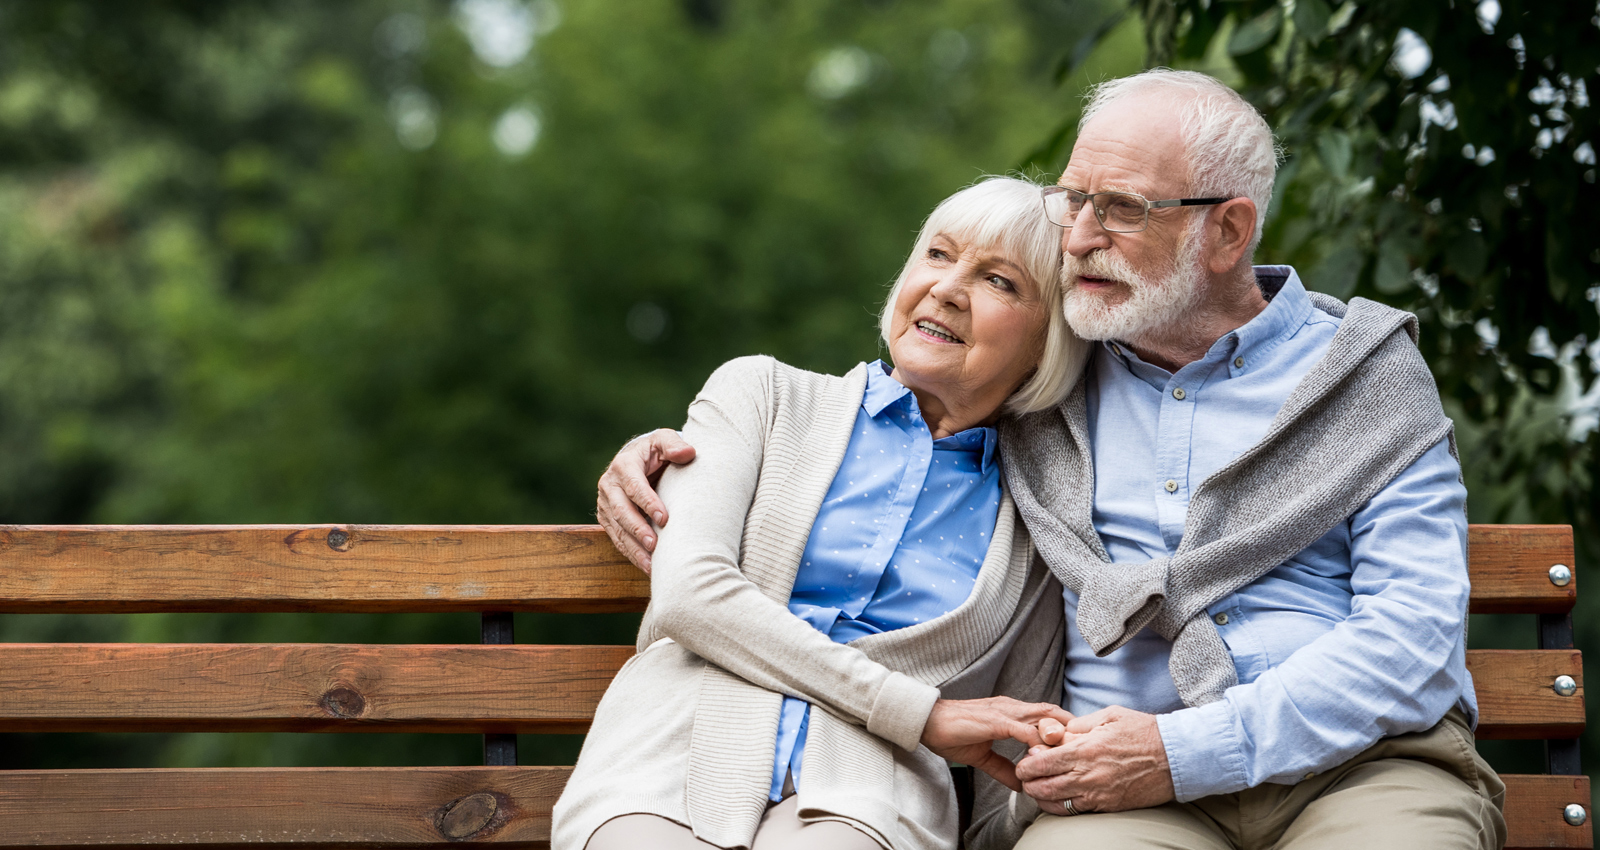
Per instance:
(1178,393)
(1171,485)
(1238,362)
(1311,774)
(1116,349)
(1220,619)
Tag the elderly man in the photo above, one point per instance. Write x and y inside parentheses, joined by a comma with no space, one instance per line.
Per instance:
(1254,507)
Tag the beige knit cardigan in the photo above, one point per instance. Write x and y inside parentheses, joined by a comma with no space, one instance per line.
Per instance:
(688,727)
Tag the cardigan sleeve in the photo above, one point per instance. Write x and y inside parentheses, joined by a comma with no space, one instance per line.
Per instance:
(702,600)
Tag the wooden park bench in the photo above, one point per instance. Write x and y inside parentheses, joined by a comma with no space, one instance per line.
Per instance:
(495,689)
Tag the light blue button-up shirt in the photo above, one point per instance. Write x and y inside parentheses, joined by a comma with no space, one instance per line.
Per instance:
(900,538)
(1360,636)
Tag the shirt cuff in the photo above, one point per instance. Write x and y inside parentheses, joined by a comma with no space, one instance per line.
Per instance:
(1203,751)
(901,710)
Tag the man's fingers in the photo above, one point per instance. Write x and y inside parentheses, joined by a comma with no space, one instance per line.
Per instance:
(624,512)
(1052,807)
(670,446)
(1079,725)
(625,544)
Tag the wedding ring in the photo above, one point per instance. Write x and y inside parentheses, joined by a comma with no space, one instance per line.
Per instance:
(1067,804)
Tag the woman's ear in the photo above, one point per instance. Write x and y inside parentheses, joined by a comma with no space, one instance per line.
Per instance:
(1235,223)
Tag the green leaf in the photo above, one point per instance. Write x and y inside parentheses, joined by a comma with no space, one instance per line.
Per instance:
(1256,33)
(1335,150)
(1393,274)
(1311,19)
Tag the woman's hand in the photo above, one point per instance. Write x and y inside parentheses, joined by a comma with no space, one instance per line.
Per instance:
(965,731)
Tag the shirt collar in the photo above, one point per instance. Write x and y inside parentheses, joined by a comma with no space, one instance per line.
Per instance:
(884,391)
(1288,307)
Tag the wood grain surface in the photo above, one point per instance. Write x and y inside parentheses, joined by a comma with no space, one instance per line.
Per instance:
(314,568)
(1515,694)
(303,807)
(422,807)
(303,687)
(1510,567)
(523,688)
(477,568)
(1533,811)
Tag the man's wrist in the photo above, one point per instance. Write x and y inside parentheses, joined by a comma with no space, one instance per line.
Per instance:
(1204,755)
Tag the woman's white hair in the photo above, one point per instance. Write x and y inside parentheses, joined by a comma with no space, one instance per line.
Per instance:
(1007,213)
(1231,150)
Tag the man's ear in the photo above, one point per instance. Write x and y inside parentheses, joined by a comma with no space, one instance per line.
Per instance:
(1234,224)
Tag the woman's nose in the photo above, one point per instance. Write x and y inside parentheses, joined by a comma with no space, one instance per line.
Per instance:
(952,288)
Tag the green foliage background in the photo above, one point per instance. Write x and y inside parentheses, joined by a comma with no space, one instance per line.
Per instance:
(264,261)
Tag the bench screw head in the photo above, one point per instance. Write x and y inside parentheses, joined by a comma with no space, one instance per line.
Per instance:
(1560,575)
(1565,686)
(1574,814)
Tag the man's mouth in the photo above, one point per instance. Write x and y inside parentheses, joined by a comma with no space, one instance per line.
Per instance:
(936,330)
(1094,282)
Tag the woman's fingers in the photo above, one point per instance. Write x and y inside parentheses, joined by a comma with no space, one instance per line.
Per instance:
(999,767)
(1052,731)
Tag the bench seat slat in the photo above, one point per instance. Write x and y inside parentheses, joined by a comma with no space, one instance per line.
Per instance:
(410,807)
(345,568)
(324,807)
(303,687)
(338,568)
(1533,811)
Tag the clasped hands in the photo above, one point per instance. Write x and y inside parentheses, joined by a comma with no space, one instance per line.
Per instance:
(1109,761)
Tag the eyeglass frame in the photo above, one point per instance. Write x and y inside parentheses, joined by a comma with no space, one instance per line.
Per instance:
(1099,215)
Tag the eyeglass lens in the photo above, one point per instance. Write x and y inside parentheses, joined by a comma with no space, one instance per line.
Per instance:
(1116,211)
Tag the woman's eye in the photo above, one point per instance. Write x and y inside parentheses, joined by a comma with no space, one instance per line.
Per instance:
(1002,283)
(937,254)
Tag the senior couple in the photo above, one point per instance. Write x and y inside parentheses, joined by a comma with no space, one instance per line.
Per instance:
(1200,583)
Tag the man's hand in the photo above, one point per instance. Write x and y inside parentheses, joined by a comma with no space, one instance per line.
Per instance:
(1108,761)
(628,495)
(965,731)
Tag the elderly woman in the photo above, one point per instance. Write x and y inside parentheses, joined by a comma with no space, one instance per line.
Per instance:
(844,583)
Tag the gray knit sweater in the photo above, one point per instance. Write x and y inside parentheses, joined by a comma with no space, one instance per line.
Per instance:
(1363,414)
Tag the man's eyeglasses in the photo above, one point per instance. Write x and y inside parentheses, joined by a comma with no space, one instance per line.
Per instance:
(1118,212)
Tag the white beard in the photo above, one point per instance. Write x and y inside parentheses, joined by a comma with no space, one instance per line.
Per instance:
(1154,304)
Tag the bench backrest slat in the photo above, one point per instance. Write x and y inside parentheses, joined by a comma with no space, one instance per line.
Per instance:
(523,688)
(477,568)
(347,568)
(303,687)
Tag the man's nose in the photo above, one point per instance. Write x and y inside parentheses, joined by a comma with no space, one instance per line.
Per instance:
(1085,235)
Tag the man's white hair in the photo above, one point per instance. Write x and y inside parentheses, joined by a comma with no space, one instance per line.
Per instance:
(1007,213)
(1230,148)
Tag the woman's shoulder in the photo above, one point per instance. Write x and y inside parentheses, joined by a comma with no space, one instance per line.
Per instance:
(745,378)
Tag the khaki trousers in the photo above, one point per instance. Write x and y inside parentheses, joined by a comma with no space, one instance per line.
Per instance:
(1423,790)
(780,829)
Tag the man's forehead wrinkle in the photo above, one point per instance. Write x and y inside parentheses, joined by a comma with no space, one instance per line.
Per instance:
(1119,165)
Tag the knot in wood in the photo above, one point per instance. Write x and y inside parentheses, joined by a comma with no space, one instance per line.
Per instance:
(467,816)
(338,540)
(343,702)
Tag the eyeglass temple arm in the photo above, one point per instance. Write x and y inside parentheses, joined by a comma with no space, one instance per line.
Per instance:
(1187,202)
